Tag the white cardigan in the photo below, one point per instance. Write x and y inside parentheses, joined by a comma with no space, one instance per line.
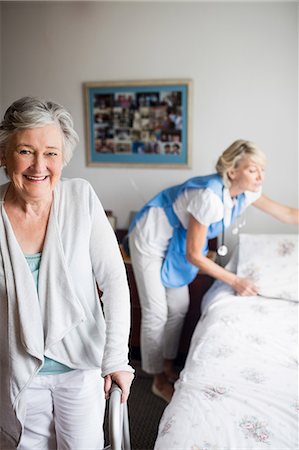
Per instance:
(65,321)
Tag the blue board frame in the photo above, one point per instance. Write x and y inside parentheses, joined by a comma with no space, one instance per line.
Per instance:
(138,123)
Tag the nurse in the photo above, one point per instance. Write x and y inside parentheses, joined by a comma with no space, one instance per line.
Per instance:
(169,243)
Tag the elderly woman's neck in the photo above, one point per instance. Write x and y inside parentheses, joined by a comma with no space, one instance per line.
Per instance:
(28,205)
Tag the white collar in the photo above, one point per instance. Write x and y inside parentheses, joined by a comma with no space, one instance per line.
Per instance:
(228,204)
(227,200)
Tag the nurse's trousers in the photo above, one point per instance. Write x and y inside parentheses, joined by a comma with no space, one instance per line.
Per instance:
(163,311)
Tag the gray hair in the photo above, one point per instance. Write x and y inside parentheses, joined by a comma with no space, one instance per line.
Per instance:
(232,156)
(31,112)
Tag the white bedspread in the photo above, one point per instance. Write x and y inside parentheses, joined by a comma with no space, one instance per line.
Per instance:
(239,387)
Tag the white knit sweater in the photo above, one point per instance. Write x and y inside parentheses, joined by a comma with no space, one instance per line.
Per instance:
(65,321)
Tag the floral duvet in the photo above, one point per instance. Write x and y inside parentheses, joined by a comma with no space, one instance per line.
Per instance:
(239,387)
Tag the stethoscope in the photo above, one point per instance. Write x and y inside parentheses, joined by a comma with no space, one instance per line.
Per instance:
(222,250)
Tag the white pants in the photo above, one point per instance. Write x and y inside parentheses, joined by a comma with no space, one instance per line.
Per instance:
(163,311)
(65,412)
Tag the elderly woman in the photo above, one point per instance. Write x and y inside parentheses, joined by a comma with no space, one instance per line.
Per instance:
(168,245)
(59,351)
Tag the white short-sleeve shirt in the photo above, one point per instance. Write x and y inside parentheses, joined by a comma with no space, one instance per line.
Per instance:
(153,231)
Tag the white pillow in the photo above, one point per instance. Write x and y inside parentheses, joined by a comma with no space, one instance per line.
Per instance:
(271,262)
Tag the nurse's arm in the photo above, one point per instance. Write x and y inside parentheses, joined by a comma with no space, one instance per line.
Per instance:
(281,212)
(196,238)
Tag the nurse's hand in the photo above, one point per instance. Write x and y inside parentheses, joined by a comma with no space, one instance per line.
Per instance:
(123,380)
(243,286)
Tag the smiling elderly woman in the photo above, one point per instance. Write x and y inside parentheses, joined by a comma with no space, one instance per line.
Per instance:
(56,247)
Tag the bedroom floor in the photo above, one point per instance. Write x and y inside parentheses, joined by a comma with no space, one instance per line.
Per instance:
(145,411)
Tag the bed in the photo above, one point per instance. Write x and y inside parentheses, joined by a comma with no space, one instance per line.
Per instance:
(239,387)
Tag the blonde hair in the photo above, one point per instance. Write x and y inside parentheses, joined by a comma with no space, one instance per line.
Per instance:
(232,156)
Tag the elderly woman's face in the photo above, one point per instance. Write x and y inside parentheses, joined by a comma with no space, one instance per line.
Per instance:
(34,161)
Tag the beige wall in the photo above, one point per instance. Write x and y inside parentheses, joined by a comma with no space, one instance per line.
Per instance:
(242,58)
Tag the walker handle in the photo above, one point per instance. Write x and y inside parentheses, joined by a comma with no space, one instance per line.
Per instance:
(119,432)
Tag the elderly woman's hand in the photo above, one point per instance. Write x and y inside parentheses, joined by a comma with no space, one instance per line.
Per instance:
(123,380)
(243,286)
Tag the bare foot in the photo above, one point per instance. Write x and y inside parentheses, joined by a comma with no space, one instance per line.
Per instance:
(172,375)
(170,371)
(162,388)
(165,392)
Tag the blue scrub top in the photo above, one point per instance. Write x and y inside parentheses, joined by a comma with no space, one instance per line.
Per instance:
(176,270)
